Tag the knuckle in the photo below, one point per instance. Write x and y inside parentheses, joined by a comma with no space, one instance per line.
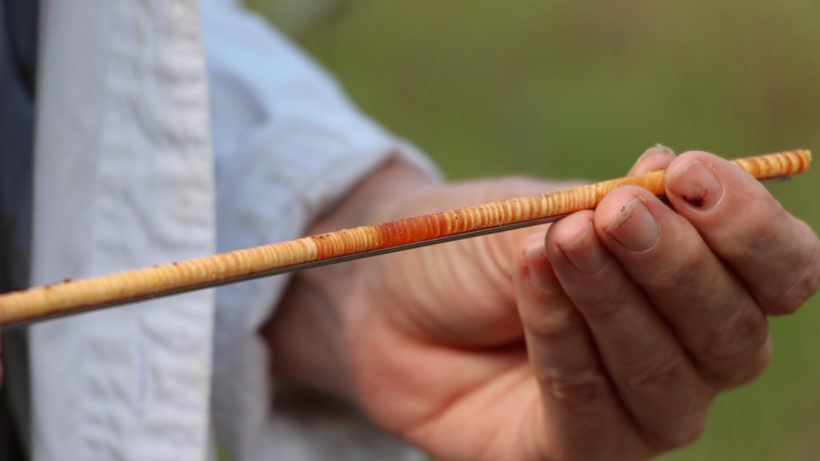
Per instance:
(599,310)
(744,333)
(756,366)
(678,436)
(657,375)
(605,301)
(732,352)
(788,298)
(691,266)
(792,271)
(575,387)
(757,235)
(685,270)
(552,323)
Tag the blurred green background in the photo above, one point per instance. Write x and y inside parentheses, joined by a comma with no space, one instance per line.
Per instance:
(577,89)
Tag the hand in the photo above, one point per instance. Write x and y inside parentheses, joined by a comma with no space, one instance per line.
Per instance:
(605,339)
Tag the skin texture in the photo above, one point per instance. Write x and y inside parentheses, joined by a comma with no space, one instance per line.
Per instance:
(606,336)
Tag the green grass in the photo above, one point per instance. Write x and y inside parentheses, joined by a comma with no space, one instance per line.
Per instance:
(577,89)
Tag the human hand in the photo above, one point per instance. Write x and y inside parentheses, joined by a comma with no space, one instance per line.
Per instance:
(674,317)
(620,338)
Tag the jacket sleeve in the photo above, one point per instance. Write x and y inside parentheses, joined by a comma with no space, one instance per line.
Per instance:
(287,143)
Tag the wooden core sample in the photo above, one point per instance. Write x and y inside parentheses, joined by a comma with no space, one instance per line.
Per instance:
(119,288)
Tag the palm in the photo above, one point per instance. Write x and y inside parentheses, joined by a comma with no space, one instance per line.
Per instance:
(445,344)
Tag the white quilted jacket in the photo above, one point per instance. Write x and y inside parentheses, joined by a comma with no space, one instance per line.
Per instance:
(166,130)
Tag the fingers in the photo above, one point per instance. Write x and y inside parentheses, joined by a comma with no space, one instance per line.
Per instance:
(711,312)
(776,255)
(652,373)
(667,303)
(657,157)
(581,413)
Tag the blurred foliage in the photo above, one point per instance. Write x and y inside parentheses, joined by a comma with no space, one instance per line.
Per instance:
(578,89)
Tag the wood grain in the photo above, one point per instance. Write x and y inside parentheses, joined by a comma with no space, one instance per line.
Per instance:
(119,288)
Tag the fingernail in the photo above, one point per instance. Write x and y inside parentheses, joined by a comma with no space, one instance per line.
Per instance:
(634,227)
(659,149)
(652,159)
(584,253)
(697,185)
